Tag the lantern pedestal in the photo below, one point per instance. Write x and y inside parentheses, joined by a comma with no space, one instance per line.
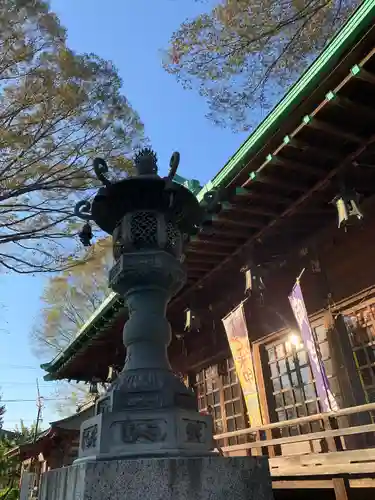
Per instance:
(203,478)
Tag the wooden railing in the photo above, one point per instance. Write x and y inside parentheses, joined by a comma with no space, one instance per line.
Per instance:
(338,448)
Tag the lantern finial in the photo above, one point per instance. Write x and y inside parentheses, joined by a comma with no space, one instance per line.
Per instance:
(146,162)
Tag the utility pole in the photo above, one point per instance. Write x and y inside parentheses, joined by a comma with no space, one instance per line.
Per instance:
(39,406)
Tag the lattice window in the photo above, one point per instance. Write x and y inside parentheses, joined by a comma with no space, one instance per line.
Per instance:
(362,338)
(219,393)
(294,392)
(234,403)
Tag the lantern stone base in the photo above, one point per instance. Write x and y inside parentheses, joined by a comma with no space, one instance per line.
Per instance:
(168,432)
(203,478)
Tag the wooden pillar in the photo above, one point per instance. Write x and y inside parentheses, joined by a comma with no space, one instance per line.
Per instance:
(258,371)
(341,488)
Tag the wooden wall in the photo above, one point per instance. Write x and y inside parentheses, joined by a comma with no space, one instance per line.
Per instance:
(345,264)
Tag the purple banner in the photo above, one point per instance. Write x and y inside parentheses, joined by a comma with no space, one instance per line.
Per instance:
(327,400)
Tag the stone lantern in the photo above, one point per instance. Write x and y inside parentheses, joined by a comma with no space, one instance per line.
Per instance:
(147,438)
(147,411)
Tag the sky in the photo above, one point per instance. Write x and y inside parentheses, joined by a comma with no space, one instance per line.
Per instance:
(131,33)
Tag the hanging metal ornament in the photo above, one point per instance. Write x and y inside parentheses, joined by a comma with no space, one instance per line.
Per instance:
(192,321)
(347,206)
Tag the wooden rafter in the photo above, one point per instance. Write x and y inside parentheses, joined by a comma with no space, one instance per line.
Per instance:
(200,267)
(206,251)
(333,130)
(317,210)
(249,209)
(367,76)
(265,197)
(305,145)
(300,167)
(231,219)
(196,273)
(213,259)
(279,183)
(202,239)
(226,232)
(354,107)
(294,206)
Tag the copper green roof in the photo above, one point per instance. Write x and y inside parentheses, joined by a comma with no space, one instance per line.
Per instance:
(355,27)
(104,315)
(360,20)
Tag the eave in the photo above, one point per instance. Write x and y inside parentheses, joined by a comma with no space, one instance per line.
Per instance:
(354,28)
(68,426)
(104,316)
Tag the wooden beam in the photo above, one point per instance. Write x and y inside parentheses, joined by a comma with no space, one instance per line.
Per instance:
(198,267)
(195,271)
(368,482)
(207,251)
(352,410)
(333,130)
(230,219)
(248,209)
(227,232)
(312,436)
(341,488)
(366,76)
(311,219)
(265,197)
(319,210)
(279,183)
(303,484)
(209,259)
(297,166)
(354,106)
(196,274)
(258,370)
(293,207)
(201,239)
(305,145)
(259,379)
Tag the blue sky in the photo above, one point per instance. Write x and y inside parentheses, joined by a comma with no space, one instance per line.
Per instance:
(130,33)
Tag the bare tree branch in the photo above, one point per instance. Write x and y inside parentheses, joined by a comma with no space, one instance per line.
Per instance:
(243,53)
(58,110)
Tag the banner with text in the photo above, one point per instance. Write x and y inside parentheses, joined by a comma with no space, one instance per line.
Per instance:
(297,303)
(236,330)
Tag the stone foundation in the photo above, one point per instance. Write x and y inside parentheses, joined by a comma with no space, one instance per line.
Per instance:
(203,478)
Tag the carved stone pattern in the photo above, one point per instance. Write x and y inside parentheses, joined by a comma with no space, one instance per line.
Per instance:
(104,406)
(89,437)
(141,381)
(144,401)
(194,430)
(142,430)
(144,229)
